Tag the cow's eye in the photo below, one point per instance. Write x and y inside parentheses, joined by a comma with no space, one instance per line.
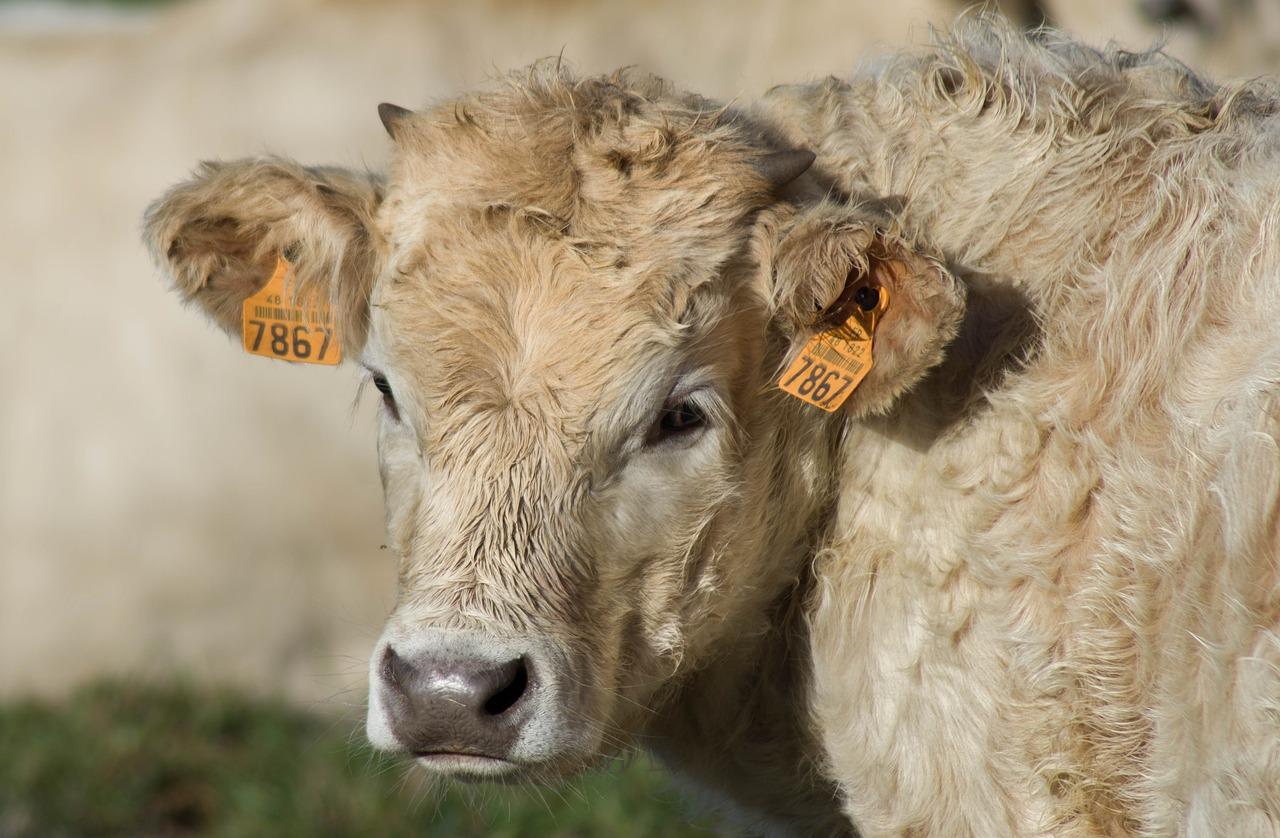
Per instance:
(384,387)
(678,419)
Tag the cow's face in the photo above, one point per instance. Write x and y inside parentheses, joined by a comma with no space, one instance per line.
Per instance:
(563,460)
(573,297)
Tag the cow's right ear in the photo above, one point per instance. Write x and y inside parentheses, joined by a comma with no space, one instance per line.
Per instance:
(823,250)
(218,237)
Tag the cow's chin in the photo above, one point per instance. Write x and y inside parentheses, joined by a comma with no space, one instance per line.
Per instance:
(469,768)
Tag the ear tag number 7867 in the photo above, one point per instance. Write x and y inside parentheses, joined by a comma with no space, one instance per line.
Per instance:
(276,324)
(834,361)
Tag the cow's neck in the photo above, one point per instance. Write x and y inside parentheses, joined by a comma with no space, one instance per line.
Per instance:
(739,735)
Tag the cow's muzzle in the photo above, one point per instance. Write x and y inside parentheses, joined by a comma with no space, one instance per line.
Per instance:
(470,705)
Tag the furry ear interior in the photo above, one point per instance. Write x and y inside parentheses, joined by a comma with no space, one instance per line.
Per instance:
(218,235)
(829,246)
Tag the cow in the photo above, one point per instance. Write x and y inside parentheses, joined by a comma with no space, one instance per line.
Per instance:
(1025,580)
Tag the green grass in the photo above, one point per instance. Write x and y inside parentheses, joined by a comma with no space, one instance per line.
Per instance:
(122,759)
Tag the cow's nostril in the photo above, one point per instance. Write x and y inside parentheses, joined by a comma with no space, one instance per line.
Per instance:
(395,669)
(511,691)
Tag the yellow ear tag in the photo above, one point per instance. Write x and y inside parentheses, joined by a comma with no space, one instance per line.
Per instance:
(276,325)
(835,360)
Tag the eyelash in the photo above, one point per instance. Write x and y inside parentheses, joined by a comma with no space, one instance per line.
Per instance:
(682,418)
(388,398)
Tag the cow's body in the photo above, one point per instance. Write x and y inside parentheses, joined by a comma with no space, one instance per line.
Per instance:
(1035,591)
(1050,597)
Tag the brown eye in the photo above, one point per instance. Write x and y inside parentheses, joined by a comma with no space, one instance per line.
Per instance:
(384,387)
(679,419)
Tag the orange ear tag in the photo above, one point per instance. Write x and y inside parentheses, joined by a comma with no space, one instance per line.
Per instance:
(276,325)
(836,359)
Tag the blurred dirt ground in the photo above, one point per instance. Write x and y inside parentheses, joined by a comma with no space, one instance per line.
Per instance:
(168,504)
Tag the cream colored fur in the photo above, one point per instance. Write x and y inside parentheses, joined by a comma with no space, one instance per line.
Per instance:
(1051,601)
(1026,585)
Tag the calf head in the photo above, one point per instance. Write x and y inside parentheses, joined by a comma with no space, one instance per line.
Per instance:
(574,297)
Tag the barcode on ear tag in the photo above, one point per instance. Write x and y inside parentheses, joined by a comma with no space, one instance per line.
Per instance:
(834,361)
(276,324)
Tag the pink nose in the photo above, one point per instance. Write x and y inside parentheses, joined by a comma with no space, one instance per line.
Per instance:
(444,701)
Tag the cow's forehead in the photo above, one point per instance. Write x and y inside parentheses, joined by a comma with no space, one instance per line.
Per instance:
(500,318)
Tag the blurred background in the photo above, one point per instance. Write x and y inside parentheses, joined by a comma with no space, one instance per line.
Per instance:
(190,564)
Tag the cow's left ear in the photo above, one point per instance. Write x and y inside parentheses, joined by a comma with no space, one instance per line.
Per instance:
(821,250)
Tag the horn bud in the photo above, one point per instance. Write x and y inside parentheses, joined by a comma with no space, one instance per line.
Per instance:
(782,167)
(393,118)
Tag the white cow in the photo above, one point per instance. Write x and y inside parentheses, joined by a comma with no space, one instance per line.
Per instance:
(1025,581)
